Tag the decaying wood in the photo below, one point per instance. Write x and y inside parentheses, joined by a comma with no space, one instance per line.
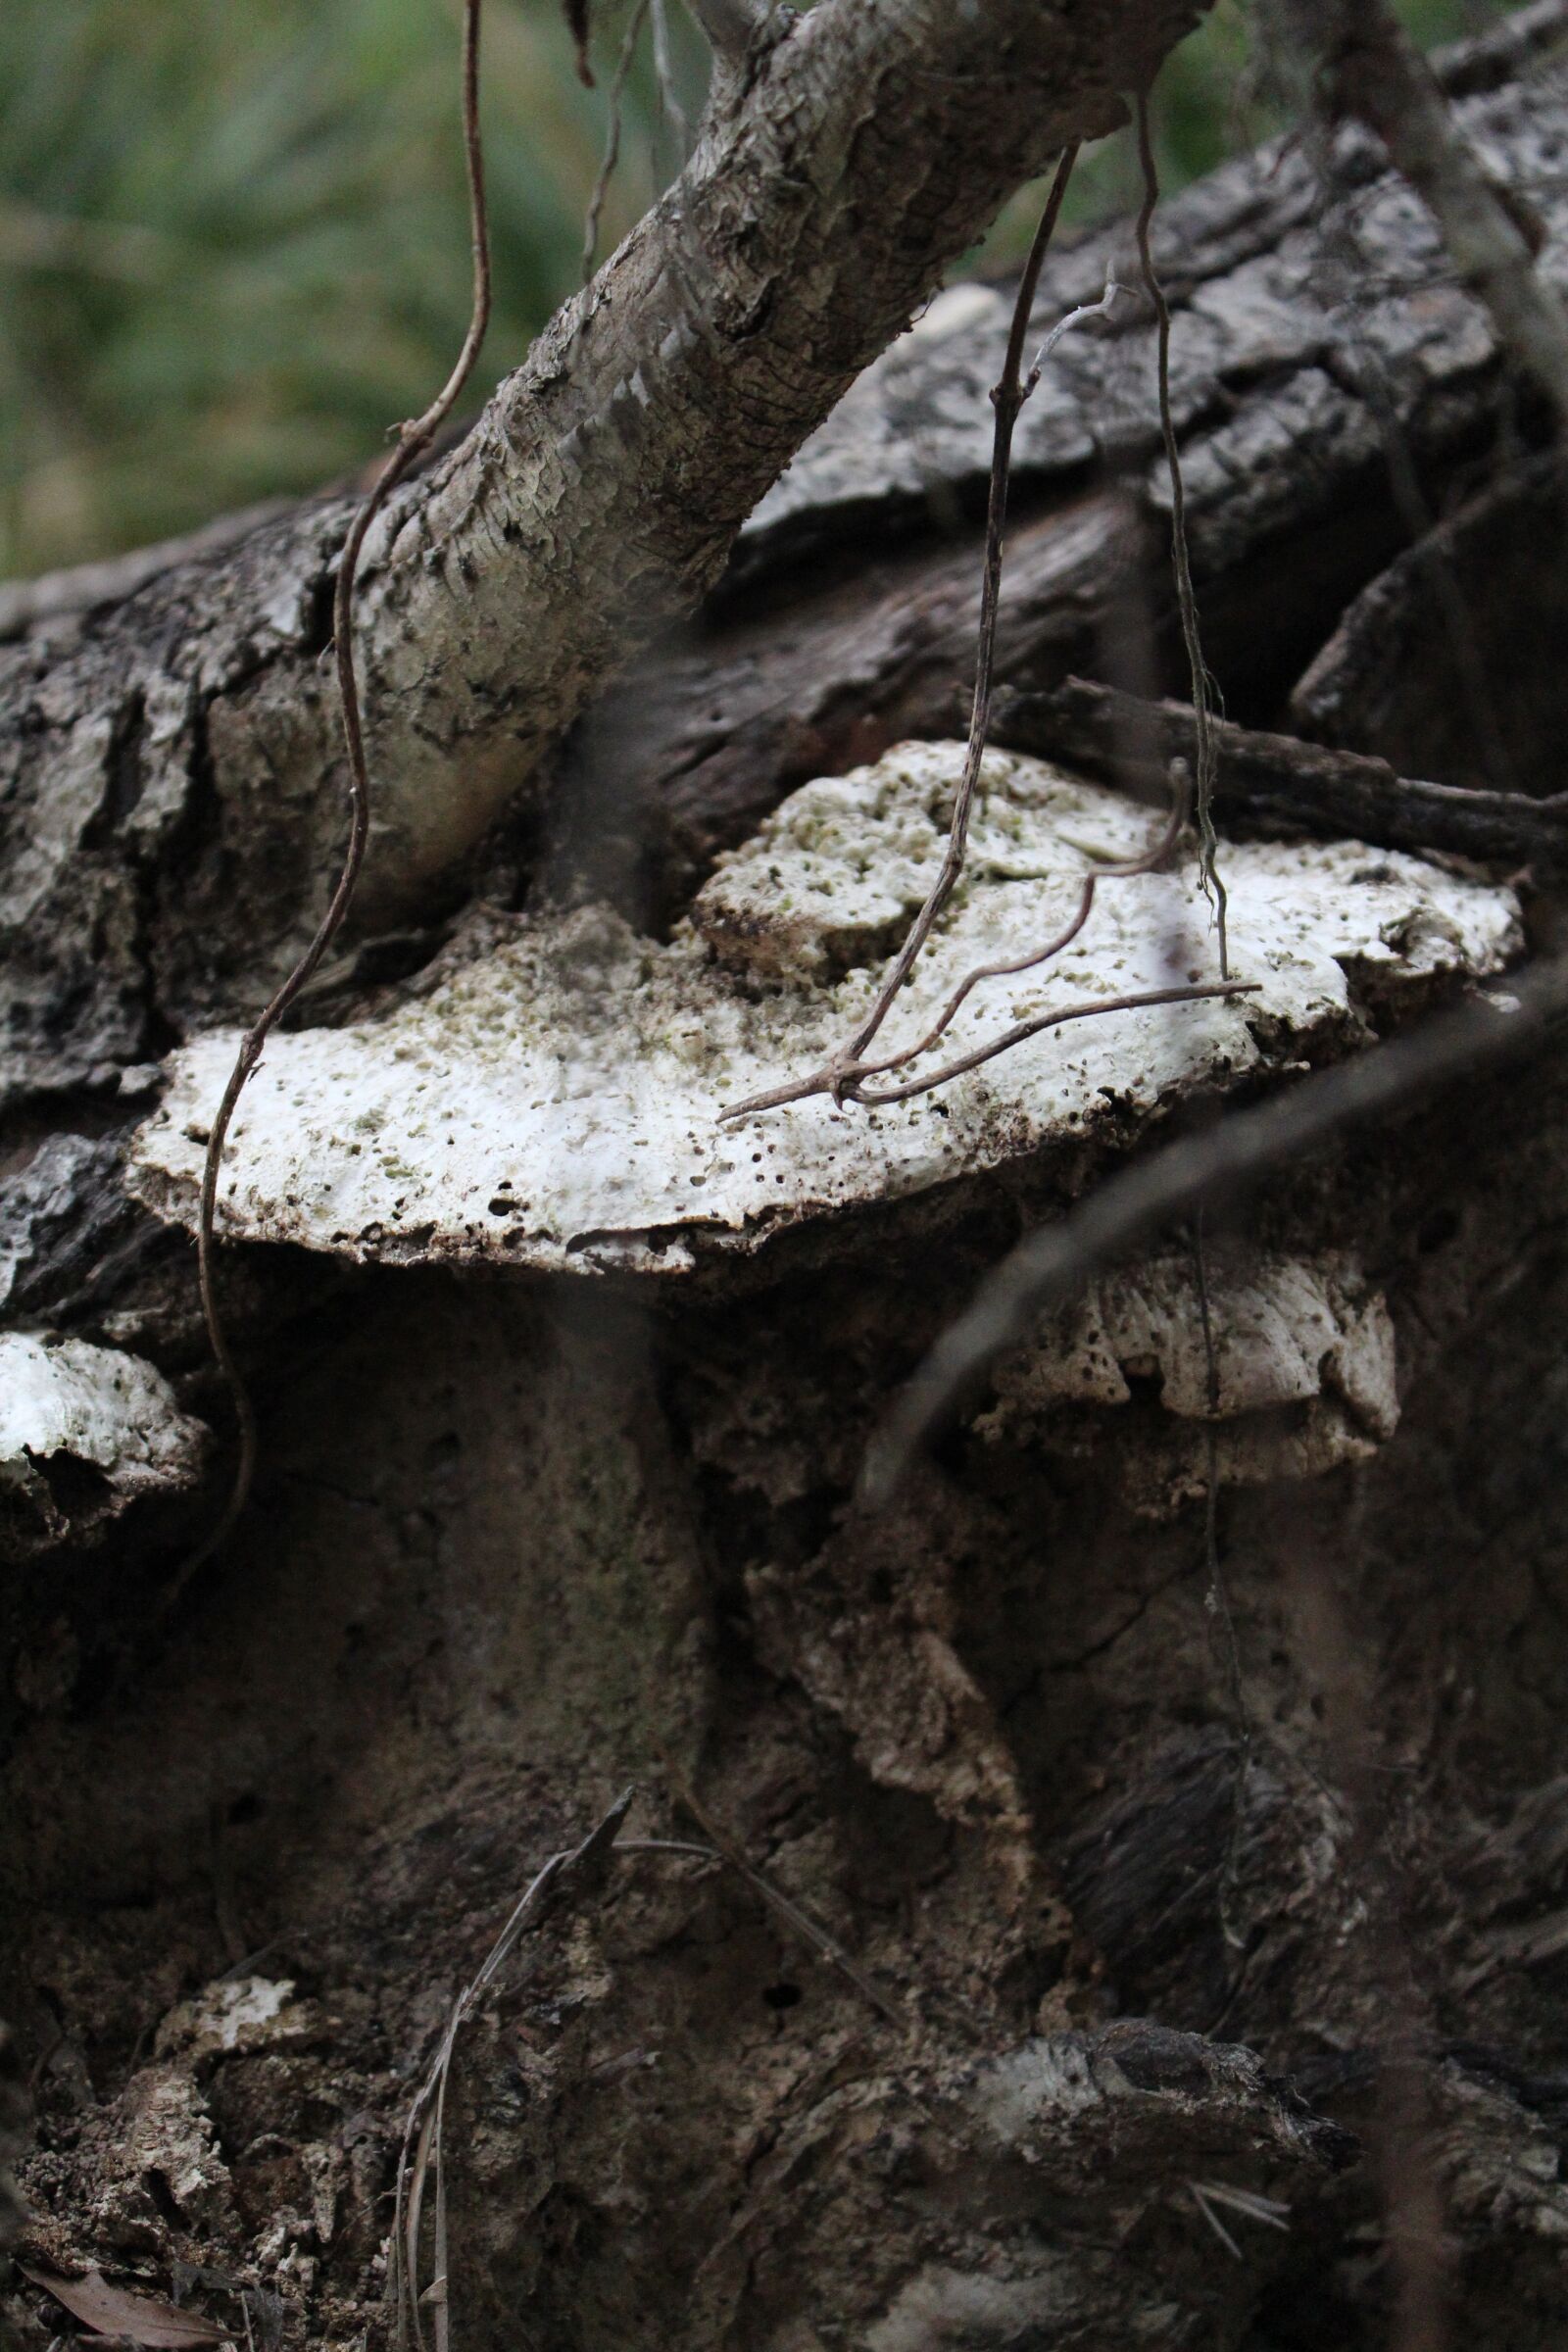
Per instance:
(1280,783)
(1374,70)
(1154,1921)
(447,1131)
(1292,375)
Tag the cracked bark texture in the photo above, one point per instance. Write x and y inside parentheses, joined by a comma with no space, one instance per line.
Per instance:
(860,152)
(1152,1919)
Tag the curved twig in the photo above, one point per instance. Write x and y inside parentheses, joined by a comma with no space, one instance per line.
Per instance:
(1149,862)
(838,1076)
(413,440)
(1039,1021)
(844,1075)
(1007,398)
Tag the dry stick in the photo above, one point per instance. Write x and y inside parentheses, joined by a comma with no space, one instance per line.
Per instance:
(844,1076)
(1090,1009)
(1220,1166)
(611,155)
(1148,861)
(1282,782)
(1187,602)
(412,439)
(1341,241)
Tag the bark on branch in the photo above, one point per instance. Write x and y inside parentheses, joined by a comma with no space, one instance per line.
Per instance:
(862,149)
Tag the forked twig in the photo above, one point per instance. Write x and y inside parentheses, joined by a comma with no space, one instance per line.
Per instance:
(840,1075)
(1080,317)
(1186,600)
(1088,1008)
(1149,862)
(1007,398)
(413,440)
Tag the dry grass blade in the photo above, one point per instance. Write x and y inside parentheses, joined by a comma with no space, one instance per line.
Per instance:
(412,441)
(1250,2202)
(1207,2194)
(820,1941)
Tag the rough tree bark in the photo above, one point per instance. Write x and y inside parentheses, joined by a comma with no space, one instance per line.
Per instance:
(848,156)
(1187,1857)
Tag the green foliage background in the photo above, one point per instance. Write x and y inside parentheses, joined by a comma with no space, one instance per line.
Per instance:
(232,236)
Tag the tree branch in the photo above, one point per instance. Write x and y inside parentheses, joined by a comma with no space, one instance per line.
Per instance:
(599,496)
(731,25)
(1279,781)
(603,488)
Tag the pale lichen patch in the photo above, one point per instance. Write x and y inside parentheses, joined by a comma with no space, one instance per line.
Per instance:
(553,1100)
(237,2016)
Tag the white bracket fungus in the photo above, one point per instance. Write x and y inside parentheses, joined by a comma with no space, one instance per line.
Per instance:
(553,1098)
(1303,1371)
(93,1410)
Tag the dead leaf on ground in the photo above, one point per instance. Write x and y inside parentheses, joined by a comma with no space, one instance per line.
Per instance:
(145,2320)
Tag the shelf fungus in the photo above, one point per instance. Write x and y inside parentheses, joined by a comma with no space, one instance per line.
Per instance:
(84,1432)
(551,1097)
(1294,1373)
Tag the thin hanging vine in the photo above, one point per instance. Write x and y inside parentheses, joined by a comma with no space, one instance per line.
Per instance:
(844,1076)
(413,439)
